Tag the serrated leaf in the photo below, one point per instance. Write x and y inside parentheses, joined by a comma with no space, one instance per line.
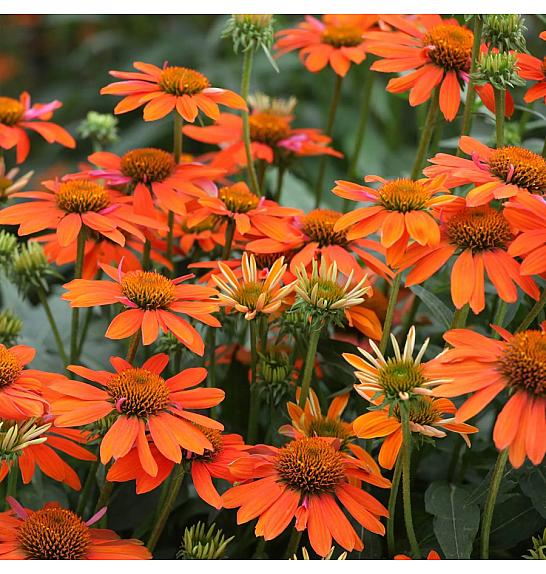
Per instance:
(455,521)
(435,305)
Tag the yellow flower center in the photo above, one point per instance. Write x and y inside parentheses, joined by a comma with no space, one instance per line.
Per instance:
(310,466)
(54,534)
(523,362)
(10,367)
(11,111)
(81,195)
(328,427)
(139,392)
(147,164)
(339,36)
(450,46)
(210,223)
(268,128)
(318,225)
(179,81)
(479,229)
(238,199)
(521,167)
(249,293)
(403,195)
(400,376)
(422,411)
(148,289)
(215,439)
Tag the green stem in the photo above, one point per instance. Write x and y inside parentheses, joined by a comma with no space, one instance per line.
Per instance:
(146,255)
(60,346)
(254,394)
(393,298)
(280,179)
(500,96)
(211,346)
(230,232)
(499,316)
(460,316)
(395,485)
(245,86)
(74,340)
(309,365)
(533,313)
(409,317)
(170,499)
(426,134)
(87,488)
(544,149)
(293,544)
(261,170)
(133,346)
(362,122)
(85,329)
(471,90)
(170,242)
(11,488)
(489,508)
(328,131)
(406,480)
(104,500)
(177,153)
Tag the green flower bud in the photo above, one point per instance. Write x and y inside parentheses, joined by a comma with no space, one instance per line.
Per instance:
(30,268)
(101,129)
(10,328)
(169,344)
(199,544)
(505,32)
(498,69)
(8,249)
(538,552)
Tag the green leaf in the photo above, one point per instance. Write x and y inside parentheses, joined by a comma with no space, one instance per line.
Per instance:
(437,307)
(533,485)
(455,522)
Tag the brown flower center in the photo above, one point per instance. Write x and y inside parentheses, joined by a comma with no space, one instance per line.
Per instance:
(400,376)
(139,392)
(268,128)
(215,439)
(148,289)
(81,195)
(238,199)
(54,534)
(521,167)
(10,367)
(328,427)
(339,36)
(523,362)
(450,46)
(479,229)
(310,466)
(11,111)
(318,225)
(422,411)
(147,164)
(403,195)
(179,81)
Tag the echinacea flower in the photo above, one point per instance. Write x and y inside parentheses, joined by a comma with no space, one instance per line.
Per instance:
(140,401)
(16,116)
(336,40)
(435,51)
(9,182)
(479,239)
(425,418)
(486,367)
(162,90)
(154,170)
(56,533)
(203,236)
(496,173)
(432,555)
(532,68)
(253,294)
(38,446)
(399,378)
(153,301)
(69,205)
(401,209)
(212,463)
(308,479)
(20,388)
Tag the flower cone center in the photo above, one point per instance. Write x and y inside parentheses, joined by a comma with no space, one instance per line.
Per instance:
(421,411)
(11,111)
(479,229)
(215,439)
(403,195)
(180,81)
(399,376)
(238,200)
(521,167)
(148,289)
(340,36)
(318,225)
(249,293)
(147,165)
(324,426)
(10,367)
(82,195)
(450,46)
(268,128)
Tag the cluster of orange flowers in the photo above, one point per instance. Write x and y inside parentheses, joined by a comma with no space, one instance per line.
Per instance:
(130,224)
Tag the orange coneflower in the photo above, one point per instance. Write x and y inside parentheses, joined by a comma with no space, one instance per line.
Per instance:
(154,169)
(401,209)
(255,293)
(437,52)
(162,90)
(478,238)
(20,388)
(68,205)
(308,479)
(528,214)
(206,235)
(425,418)
(139,399)
(16,116)
(152,300)
(337,40)
(496,173)
(486,367)
(531,68)
(56,533)
(213,463)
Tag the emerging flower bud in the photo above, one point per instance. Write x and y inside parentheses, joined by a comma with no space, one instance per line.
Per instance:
(538,552)
(504,32)
(10,327)
(101,129)
(16,436)
(199,544)
(30,268)
(498,69)
(8,248)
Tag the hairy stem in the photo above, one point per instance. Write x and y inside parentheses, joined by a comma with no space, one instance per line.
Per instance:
(74,339)
(426,134)
(254,394)
(533,313)
(245,86)
(53,324)
(309,365)
(393,495)
(393,298)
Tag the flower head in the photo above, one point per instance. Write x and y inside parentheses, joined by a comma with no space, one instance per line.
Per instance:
(201,544)
(10,327)
(504,32)
(168,89)
(498,69)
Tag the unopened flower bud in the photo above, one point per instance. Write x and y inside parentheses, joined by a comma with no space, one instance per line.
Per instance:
(15,436)
(30,268)
(201,544)
(498,69)
(504,32)
(10,327)
(8,249)
(538,552)
(101,129)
